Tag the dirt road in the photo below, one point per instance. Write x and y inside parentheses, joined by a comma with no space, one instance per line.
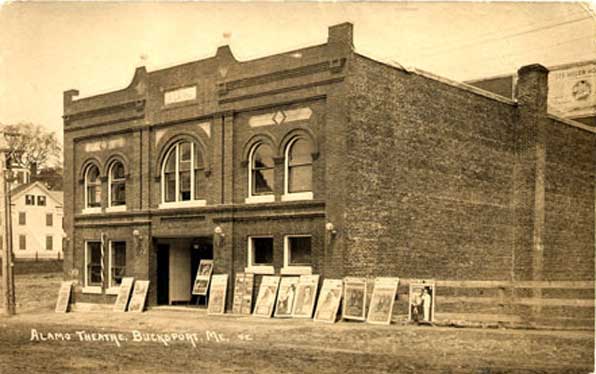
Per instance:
(161,341)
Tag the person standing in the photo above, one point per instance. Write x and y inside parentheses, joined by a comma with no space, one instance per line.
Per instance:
(426,303)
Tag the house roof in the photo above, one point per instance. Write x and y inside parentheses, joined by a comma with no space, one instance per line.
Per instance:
(57,196)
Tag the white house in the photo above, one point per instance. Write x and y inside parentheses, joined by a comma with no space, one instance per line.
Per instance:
(37,215)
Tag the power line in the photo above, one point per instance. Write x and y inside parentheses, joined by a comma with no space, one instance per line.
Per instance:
(506,36)
(546,47)
(493,33)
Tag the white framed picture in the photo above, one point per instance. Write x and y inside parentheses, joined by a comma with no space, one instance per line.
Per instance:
(267,295)
(382,300)
(421,305)
(306,293)
(329,300)
(286,297)
(354,300)
(217,294)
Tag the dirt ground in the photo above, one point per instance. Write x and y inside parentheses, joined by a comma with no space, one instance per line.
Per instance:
(165,341)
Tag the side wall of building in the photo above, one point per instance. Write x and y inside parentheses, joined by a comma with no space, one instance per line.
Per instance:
(430,178)
(569,203)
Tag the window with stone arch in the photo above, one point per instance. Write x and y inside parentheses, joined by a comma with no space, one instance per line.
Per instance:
(261,176)
(117,183)
(183,174)
(298,168)
(92,187)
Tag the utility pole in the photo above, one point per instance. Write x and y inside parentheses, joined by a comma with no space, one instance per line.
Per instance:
(8,288)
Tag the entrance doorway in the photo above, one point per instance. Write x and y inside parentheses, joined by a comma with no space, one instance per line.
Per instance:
(177,264)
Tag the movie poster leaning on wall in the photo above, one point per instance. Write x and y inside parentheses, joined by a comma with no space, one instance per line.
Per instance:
(422,301)
(139,295)
(217,294)
(329,300)
(243,287)
(286,297)
(354,303)
(203,277)
(382,300)
(123,294)
(306,293)
(63,297)
(266,297)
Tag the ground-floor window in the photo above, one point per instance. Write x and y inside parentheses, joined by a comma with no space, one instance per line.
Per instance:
(94,264)
(22,242)
(49,242)
(260,254)
(117,262)
(297,254)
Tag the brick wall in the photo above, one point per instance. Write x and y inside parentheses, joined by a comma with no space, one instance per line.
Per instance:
(569,200)
(430,178)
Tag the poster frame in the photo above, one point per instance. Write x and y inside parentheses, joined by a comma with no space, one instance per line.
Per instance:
(126,285)
(289,281)
(217,281)
(328,286)
(138,295)
(344,314)
(267,281)
(306,281)
(390,283)
(417,284)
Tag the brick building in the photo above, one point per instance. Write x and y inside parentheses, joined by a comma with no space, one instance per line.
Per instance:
(324,161)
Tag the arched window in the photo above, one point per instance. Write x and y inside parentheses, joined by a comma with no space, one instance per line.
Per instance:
(298,173)
(92,187)
(183,176)
(117,182)
(261,170)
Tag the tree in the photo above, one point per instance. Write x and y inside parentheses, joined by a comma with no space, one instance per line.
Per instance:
(32,146)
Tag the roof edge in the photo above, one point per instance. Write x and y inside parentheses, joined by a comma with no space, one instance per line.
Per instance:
(572,123)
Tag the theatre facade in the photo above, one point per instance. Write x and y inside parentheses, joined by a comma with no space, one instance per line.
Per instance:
(324,161)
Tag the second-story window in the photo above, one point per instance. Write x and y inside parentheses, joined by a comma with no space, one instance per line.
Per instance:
(92,187)
(29,199)
(117,182)
(182,174)
(298,166)
(261,170)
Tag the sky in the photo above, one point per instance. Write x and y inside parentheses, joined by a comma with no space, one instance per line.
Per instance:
(47,48)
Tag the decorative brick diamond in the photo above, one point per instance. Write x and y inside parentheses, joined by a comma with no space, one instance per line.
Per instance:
(279,117)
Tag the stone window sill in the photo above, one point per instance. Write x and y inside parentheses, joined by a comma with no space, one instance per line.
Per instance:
(92,289)
(296,270)
(91,210)
(297,196)
(260,199)
(113,290)
(117,208)
(263,270)
(183,204)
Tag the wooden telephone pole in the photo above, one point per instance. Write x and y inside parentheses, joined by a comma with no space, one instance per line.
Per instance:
(8,289)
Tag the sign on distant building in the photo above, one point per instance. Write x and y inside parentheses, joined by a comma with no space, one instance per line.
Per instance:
(572,90)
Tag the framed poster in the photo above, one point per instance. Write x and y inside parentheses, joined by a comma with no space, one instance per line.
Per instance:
(217,294)
(243,287)
(201,284)
(63,297)
(306,293)
(354,305)
(421,306)
(266,297)
(329,300)
(238,293)
(123,294)
(382,300)
(286,297)
(139,295)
